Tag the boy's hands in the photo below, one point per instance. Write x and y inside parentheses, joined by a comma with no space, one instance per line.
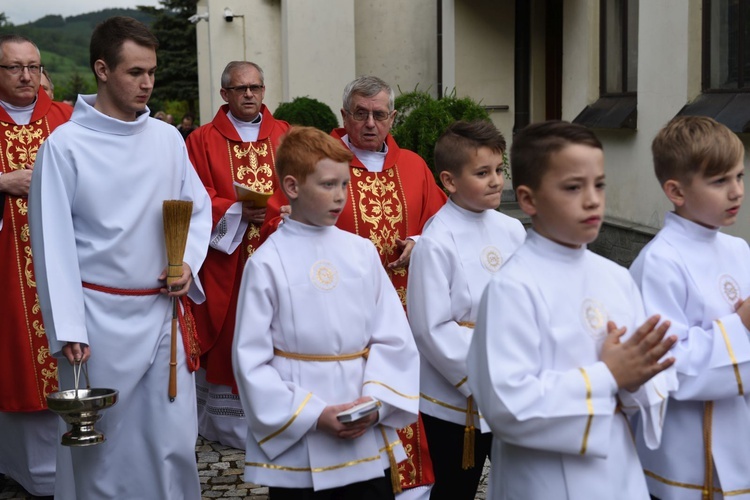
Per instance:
(328,422)
(636,360)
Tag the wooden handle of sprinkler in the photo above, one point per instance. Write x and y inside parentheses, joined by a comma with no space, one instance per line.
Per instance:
(174,273)
(173,354)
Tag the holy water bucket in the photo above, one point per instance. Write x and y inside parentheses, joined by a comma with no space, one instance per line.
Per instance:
(80,408)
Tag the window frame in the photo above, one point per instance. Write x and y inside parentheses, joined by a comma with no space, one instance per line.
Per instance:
(742,78)
(612,110)
(623,51)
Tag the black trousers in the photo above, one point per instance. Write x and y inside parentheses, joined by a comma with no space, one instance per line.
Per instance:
(373,489)
(446,443)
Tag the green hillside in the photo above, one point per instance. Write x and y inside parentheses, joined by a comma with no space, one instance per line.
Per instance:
(64,44)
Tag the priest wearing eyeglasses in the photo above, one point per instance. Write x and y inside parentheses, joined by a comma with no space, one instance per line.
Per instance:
(28,372)
(237,147)
(392,194)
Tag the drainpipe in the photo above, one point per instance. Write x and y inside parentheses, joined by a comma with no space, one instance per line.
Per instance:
(439,49)
(522,70)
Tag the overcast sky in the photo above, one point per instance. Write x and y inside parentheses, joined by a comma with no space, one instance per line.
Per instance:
(24,11)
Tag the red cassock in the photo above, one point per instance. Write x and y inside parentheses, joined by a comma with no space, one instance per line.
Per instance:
(385,206)
(28,373)
(221,158)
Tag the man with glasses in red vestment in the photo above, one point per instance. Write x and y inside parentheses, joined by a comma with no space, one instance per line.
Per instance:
(28,431)
(237,146)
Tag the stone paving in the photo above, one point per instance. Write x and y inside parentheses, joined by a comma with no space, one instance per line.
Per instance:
(220,469)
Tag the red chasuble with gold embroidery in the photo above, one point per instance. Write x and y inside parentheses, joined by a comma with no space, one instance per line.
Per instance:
(391,204)
(27,370)
(221,158)
(382,207)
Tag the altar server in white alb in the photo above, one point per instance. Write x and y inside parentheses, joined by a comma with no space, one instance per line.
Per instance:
(461,248)
(319,329)
(699,279)
(561,354)
(99,247)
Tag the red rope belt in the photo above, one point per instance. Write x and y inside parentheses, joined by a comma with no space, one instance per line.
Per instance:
(184,316)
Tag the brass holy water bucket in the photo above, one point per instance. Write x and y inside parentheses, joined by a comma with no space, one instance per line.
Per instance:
(80,408)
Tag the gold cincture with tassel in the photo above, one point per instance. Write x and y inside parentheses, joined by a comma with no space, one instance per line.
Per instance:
(395,479)
(177,216)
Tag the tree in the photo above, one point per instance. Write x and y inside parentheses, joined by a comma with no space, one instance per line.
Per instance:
(177,73)
(4,20)
(76,84)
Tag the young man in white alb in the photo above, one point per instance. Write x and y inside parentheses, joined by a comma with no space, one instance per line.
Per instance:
(97,235)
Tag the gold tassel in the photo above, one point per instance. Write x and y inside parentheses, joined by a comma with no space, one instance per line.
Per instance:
(395,480)
(468,458)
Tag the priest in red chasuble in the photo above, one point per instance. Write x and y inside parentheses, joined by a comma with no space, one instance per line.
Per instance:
(28,373)
(392,194)
(236,148)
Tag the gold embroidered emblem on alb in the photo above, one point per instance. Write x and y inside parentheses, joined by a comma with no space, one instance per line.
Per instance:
(491,258)
(324,275)
(594,318)
(729,289)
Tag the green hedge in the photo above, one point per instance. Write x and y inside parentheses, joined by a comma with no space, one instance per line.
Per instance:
(421,119)
(308,112)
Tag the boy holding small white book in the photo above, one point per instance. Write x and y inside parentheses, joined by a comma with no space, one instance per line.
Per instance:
(320,330)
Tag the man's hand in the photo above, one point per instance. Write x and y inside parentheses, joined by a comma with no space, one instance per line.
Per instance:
(742,308)
(328,422)
(76,352)
(403,259)
(16,183)
(181,286)
(251,214)
(636,360)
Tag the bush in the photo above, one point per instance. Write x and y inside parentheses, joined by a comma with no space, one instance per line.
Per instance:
(308,112)
(421,120)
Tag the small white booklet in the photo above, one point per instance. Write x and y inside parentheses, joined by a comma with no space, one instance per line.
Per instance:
(359,411)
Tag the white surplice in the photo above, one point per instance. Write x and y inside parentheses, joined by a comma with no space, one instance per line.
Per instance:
(458,253)
(320,291)
(693,276)
(96,217)
(535,372)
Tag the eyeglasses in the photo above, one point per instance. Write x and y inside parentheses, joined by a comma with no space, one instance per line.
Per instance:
(14,69)
(362,115)
(241,89)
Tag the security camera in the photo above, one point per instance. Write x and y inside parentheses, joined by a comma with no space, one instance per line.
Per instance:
(228,15)
(197,17)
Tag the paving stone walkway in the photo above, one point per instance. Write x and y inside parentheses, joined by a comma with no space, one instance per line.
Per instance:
(220,469)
